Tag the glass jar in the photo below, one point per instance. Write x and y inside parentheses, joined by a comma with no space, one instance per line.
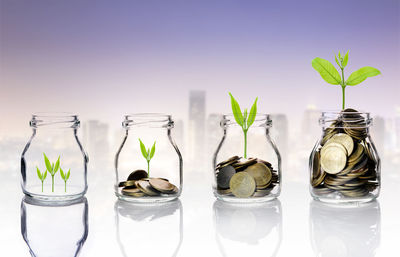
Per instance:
(54,230)
(53,163)
(344,164)
(148,164)
(254,177)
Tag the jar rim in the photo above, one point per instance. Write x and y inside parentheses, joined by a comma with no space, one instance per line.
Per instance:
(152,120)
(335,111)
(60,119)
(149,116)
(264,118)
(54,115)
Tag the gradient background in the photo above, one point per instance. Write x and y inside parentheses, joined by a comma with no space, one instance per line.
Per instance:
(103,59)
(138,56)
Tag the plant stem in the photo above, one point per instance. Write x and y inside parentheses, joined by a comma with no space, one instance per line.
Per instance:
(42,186)
(148,169)
(245,143)
(343,90)
(52,183)
(65,188)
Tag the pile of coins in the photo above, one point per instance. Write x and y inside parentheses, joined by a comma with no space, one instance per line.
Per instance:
(245,177)
(139,184)
(345,161)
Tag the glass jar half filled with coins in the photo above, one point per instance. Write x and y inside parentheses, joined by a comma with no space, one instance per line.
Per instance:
(148,164)
(344,164)
(247,167)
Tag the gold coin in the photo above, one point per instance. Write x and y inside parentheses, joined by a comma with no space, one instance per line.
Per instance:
(129,183)
(161,185)
(224,191)
(344,140)
(333,158)
(146,188)
(137,174)
(132,192)
(242,184)
(261,174)
(316,165)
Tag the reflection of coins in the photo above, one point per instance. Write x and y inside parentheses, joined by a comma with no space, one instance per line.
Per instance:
(316,165)
(161,185)
(137,174)
(261,174)
(224,176)
(242,184)
(146,188)
(333,158)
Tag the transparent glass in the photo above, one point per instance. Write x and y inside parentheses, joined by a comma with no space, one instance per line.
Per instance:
(248,229)
(345,230)
(140,226)
(140,180)
(55,135)
(344,164)
(263,159)
(54,230)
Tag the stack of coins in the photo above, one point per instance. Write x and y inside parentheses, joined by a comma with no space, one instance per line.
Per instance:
(139,184)
(245,178)
(345,161)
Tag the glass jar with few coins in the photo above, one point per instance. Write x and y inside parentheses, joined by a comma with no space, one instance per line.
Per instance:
(53,162)
(254,176)
(148,164)
(344,164)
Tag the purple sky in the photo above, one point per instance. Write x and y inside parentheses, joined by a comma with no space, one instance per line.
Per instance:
(102,59)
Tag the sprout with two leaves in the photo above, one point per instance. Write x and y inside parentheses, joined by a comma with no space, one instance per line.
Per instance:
(331,75)
(52,169)
(65,177)
(245,120)
(42,176)
(147,154)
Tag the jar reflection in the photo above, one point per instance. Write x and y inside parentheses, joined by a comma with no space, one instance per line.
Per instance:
(149,229)
(54,230)
(248,230)
(344,231)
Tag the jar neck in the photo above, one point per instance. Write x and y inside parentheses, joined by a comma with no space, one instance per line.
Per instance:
(148,120)
(345,118)
(54,121)
(261,121)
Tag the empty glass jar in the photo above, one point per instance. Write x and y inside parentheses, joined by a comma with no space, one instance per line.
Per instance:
(344,164)
(247,167)
(53,163)
(148,164)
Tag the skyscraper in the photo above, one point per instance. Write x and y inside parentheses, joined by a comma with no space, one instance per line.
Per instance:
(196,130)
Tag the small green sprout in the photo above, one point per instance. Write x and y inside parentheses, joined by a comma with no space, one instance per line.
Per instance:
(147,154)
(42,176)
(65,177)
(52,169)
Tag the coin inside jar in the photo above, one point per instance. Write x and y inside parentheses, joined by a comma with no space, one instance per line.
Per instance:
(224,176)
(137,174)
(242,185)
(161,185)
(132,192)
(333,159)
(146,188)
(344,140)
(261,174)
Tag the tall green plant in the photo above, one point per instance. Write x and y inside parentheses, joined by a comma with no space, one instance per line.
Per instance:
(52,169)
(245,120)
(331,75)
(147,154)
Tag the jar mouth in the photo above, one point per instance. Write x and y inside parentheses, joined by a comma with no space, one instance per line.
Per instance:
(152,120)
(61,119)
(261,120)
(343,119)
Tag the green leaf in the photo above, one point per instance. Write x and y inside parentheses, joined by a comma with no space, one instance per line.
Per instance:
(253,113)
(69,173)
(39,173)
(340,56)
(62,174)
(245,115)
(337,61)
(45,175)
(57,164)
(143,149)
(237,113)
(345,59)
(360,75)
(47,162)
(153,150)
(327,71)
(148,154)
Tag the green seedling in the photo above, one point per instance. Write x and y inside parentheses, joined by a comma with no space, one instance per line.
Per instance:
(65,177)
(147,154)
(331,75)
(42,176)
(245,120)
(52,169)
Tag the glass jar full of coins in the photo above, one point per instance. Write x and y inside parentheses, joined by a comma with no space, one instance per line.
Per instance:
(344,164)
(247,168)
(148,164)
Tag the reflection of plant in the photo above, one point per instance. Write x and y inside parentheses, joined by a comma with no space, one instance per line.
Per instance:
(52,169)
(330,74)
(65,177)
(42,176)
(242,119)
(147,154)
